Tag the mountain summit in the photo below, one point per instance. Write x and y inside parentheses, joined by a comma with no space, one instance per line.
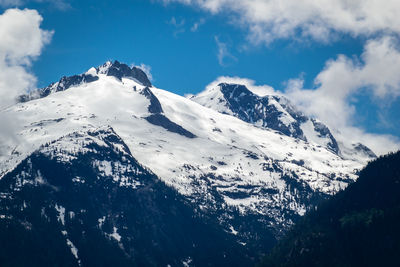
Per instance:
(241,167)
(120,71)
(274,112)
(112,69)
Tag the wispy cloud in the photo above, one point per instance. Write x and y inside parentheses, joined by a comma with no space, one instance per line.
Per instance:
(178,24)
(197,24)
(58,4)
(146,69)
(261,90)
(267,20)
(10,3)
(224,56)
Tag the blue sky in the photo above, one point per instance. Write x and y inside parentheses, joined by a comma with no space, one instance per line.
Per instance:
(183,61)
(185,58)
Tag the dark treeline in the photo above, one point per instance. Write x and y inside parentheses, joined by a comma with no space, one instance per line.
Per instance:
(357,227)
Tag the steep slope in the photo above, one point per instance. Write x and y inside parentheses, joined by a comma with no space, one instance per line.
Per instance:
(83,200)
(250,178)
(275,112)
(114,69)
(357,227)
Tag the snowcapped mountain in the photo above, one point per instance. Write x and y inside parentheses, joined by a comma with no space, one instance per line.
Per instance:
(251,165)
(270,112)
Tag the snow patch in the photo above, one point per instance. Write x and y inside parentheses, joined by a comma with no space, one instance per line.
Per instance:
(233,231)
(74,251)
(61,214)
(115,234)
(101,221)
(187,262)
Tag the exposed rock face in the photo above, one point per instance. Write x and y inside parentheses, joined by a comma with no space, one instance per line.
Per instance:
(115,69)
(120,70)
(83,200)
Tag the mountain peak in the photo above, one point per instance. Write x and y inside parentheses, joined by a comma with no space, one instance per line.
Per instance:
(234,89)
(121,70)
(109,68)
(269,111)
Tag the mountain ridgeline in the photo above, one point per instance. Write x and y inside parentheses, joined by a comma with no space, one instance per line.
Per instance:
(357,227)
(114,171)
(68,213)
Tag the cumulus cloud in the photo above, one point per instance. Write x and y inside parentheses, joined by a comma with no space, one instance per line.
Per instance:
(320,20)
(261,90)
(21,42)
(376,73)
(337,87)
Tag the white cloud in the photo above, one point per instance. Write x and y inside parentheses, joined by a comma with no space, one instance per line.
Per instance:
(376,73)
(197,24)
(146,69)
(9,3)
(261,90)
(59,4)
(223,54)
(337,88)
(175,23)
(379,143)
(320,20)
(21,42)
(342,78)
(340,83)
(179,25)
